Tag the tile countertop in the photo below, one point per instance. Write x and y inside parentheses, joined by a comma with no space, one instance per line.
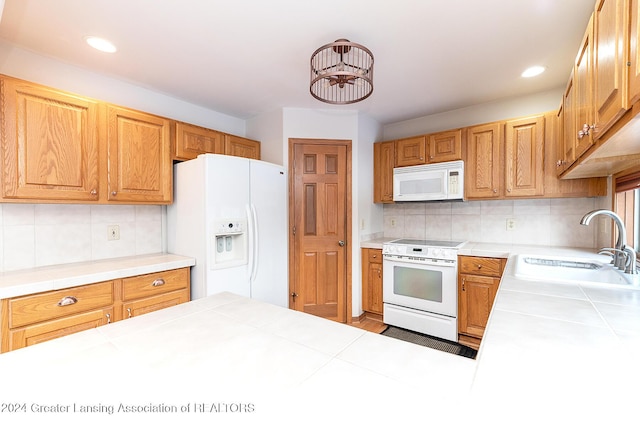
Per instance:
(553,354)
(41,279)
(231,350)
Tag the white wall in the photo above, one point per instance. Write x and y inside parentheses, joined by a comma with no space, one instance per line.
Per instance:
(476,114)
(19,63)
(268,129)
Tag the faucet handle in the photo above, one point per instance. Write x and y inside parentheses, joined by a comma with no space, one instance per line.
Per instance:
(630,264)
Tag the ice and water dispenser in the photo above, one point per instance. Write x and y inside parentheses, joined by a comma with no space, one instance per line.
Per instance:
(229,243)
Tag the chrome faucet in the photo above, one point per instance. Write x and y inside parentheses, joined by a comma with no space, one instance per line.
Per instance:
(619,254)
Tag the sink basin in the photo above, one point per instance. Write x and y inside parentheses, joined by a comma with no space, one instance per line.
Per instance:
(571,270)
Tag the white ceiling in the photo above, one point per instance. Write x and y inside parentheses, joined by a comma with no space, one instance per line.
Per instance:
(245,57)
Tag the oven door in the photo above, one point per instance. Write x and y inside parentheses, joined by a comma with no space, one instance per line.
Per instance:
(425,285)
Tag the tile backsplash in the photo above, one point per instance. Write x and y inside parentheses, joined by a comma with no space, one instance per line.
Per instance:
(549,222)
(35,235)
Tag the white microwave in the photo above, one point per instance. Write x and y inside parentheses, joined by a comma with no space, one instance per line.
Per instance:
(431,182)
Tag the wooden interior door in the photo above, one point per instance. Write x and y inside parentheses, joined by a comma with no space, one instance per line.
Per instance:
(319,213)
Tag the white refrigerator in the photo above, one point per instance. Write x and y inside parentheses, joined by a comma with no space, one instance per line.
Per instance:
(230,214)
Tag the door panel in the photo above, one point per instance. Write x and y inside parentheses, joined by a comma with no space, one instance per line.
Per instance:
(319,212)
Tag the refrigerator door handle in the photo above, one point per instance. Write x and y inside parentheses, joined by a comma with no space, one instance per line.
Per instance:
(250,243)
(253,241)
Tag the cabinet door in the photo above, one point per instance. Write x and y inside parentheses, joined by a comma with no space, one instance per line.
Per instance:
(569,128)
(524,157)
(583,79)
(372,281)
(154,303)
(553,165)
(411,151)
(445,146)
(634,53)
(241,147)
(45,331)
(383,163)
(190,141)
(610,70)
(140,167)
(476,296)
(483,168)
(49,144)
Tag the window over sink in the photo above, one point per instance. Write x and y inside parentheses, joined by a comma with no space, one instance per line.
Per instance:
(627,204)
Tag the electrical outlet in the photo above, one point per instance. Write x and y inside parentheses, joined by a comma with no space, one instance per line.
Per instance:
(511,224)
(113,232)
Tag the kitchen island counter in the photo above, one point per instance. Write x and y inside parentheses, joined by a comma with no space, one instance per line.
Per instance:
(553,354)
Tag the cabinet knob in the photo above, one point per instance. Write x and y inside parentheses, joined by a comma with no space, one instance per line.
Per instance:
(479,266)
(114,193)
(94,192)
(495,190)
(508,190)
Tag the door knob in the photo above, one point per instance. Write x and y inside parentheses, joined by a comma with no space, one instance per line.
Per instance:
(341,242)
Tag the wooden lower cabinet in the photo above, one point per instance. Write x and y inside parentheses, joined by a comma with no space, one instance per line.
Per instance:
(32,319)
(45,331)
(478,281)
(372,281)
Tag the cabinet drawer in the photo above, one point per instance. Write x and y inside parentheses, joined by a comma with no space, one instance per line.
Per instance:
(482,266)
(375,256)
(154,284)
(154,303)
(52,305)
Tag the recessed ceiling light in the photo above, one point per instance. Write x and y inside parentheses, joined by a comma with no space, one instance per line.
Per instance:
(100,44)
(533,71)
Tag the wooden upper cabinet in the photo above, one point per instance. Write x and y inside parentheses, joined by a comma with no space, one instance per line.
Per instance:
(524,157)
(140,168)
(383,163)
(483,166)
(241,147)
(190,141)
(445,146)
(634,53)
(553,150)
(49,144)
(411,151)
(568,136)
(583,94)
(610,56)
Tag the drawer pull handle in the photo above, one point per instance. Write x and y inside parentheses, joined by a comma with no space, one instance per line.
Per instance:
(108,318)
(129,311)
(158,282)
(67,301)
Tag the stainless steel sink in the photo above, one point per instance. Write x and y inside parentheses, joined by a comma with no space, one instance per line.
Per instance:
(571,270)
